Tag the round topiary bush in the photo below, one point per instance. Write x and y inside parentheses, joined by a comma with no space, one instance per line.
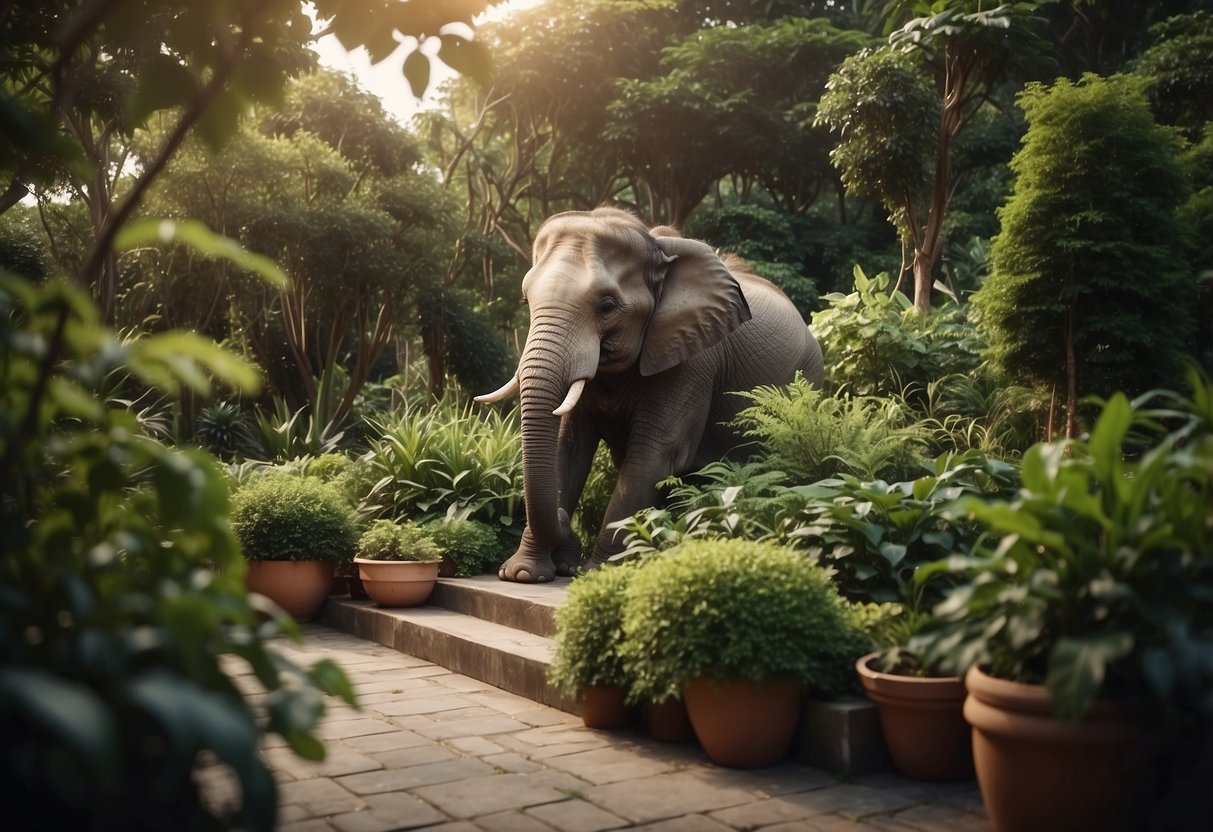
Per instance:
(589,632)
(386,540)
(282,517)
(735,610)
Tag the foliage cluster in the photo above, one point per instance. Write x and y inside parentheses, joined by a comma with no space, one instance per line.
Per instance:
(387,540)
(589,630)
(1094,578)
(277,516)
(122,600)
(811,435)
(471,546)
(875,344)
(450,461)
(876,536)
(733,610)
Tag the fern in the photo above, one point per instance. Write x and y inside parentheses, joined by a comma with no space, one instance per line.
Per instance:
(813,436)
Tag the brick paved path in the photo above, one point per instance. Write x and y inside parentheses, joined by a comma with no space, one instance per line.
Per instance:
(437,750)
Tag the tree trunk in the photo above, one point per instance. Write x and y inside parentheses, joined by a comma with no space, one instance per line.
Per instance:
(1071,375)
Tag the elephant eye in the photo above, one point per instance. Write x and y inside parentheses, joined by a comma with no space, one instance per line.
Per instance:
(607,305)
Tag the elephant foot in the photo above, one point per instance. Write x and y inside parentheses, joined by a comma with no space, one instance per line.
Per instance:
(567,557)
(528,568)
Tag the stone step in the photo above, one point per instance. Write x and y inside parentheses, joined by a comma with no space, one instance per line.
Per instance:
(505,657)
(527,607)
(500,633)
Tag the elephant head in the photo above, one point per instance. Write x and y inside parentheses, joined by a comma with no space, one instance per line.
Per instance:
(608,301)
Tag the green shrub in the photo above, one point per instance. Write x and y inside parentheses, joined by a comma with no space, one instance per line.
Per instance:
(124,620)
(875,344)
(735,609)
(589,632)
(1094,577)
(224,430)
(282,517)
(811,436)
(724,499)
(875,535)
(451,461)
(386,540)
(471,546)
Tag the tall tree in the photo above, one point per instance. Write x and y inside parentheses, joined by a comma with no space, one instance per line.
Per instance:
(331,188)
(81,75)
(969,46)
(734,101)
(1089,291)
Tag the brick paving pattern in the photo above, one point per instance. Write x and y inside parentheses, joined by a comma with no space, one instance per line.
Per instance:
(435,750)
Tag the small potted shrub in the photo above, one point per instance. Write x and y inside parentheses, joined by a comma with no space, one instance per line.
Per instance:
(739,630)
(468,547)
(398,563)
(587,665)
(293,530)
(1082,617)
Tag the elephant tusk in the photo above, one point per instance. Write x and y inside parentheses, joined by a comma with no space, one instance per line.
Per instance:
(570,401)
(504,392)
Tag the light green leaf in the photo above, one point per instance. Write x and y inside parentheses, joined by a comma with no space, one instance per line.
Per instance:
(200,238)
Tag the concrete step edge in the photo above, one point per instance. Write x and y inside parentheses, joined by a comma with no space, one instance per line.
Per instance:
(527,607)
(505,657)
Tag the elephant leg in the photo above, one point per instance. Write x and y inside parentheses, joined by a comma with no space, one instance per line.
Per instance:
(578,442)
(530,564)
(533,563)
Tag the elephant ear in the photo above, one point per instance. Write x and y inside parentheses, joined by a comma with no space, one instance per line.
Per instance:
(700,303)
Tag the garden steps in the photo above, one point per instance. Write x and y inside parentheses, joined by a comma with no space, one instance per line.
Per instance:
(493,631)
(499,633)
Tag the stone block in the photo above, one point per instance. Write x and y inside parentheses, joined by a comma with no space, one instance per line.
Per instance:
(843,737)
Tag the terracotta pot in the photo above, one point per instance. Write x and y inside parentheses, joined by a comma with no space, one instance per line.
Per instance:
(1039,774)
(669,722)
(744,724)
(923,722)
(604,706)
(298,586)
(397,583)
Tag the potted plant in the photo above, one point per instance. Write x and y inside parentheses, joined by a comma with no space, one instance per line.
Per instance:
(587,664)
(738,630)
(1083,615)
(920,707)
(293,530)
(398,563)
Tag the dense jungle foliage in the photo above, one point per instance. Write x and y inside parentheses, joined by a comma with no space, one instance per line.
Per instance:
(221,263)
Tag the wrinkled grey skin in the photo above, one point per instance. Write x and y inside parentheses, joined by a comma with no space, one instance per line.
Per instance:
(662,331)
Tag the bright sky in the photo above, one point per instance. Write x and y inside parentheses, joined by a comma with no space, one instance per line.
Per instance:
(386,78)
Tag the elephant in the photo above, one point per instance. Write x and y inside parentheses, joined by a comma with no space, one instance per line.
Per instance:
(638,338)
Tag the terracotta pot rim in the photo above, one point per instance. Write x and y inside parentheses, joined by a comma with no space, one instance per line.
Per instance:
(387,560)
(867,672)
(1025,696)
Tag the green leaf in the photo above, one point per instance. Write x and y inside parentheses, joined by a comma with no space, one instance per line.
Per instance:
(1077,668)
(70,711)
(196,235)
(224,365)
(417,72)
(1109,433)
(220,119)
(467,57)
(163,82)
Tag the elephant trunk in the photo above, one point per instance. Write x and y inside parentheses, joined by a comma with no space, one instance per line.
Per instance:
(551,376)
